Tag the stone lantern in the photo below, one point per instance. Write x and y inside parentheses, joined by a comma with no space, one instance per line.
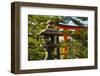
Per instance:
(51,38)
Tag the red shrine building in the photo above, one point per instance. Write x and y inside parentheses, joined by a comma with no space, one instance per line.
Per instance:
(65,37)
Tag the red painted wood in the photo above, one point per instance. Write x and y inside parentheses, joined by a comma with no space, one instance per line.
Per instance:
(69,27)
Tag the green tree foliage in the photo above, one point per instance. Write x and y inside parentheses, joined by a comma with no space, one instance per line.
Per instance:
(78,45)
(35,25)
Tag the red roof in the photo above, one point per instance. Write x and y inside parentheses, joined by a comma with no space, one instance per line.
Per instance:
(70,27)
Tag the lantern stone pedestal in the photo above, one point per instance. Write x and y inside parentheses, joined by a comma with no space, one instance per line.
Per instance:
(51,38)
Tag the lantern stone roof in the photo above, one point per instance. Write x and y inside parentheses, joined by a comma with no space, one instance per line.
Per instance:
(50,32)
